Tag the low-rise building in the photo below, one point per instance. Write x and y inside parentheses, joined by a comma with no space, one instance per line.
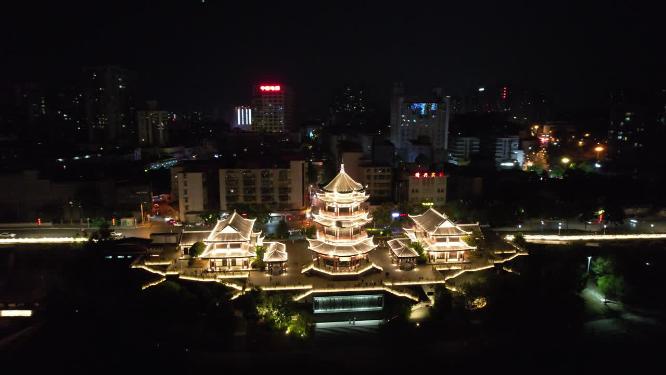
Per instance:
(193,195)
(378,181)
(427,188)
(278,185)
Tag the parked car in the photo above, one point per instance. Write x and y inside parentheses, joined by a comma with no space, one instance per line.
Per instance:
(7,235)
(117,235)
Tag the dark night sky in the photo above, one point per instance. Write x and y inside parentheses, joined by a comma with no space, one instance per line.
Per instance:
(190,53)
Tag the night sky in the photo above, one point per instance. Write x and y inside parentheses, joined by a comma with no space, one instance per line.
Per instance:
(191,54)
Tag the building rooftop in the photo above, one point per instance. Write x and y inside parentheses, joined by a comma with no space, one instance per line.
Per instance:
(436,223)
(275,252)
(233,228)
(400,248)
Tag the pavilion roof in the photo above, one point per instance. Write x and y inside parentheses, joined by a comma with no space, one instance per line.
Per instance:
(344,250)
(233,228)
(400,248)
(343,183)
(275,252)
(436,223)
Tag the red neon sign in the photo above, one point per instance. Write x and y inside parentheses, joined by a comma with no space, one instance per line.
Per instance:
(270,88)
(428,174)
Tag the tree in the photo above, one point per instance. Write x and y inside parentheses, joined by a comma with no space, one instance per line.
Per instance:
(519,240)
(210,217)
(603,266)
(197,249)
(258,261)
(282,229)
(470,240)
(310,232)
(423,256)
(611,285)
(382,215)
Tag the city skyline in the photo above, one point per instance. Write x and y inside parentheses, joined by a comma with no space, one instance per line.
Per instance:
(202,55)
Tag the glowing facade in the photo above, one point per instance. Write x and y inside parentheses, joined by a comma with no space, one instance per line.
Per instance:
(441,239)
(340,212)
(232,244)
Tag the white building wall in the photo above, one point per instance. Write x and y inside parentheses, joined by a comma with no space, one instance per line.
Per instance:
(192,193)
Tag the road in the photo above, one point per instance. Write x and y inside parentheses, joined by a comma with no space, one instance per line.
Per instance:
(141,231)
(655,225)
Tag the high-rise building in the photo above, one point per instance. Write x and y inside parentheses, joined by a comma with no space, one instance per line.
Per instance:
(416,121)
(152,125)
(637,127)
(242,117)
(108,105)
(349,108)
(463,149)
(508,152)
(271,109)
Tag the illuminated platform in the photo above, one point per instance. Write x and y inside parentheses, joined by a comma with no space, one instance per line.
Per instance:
(351,303)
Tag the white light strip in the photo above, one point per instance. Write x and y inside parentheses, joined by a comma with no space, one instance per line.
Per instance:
(369,267)
(15,313)
(13,241)
(148,285)
(398,283)
(469,270)
(344,290)
(158,263)
(286,287)
(509,258)
(588,237)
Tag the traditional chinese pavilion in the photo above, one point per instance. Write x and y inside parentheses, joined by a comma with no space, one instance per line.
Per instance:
(275,257)
(232,243)
(441,239)
(402,254)
(340,212)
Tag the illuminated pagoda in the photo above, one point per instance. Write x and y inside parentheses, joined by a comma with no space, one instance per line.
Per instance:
(340,212)
(232,243)
(442,240)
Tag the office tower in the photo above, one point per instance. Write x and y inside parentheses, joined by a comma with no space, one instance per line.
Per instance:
(419,121)
(271,109)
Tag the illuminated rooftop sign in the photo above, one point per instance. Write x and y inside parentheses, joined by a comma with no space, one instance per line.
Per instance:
(267,88)
(428,174)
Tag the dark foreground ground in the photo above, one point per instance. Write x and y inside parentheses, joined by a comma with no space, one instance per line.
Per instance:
(541,317)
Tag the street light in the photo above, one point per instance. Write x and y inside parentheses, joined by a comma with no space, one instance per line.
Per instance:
(605,229)
(559,229)
(589,258)
(565,160)
(598,149)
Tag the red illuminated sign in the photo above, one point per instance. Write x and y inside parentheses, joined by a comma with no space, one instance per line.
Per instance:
(428,174)
(266,88)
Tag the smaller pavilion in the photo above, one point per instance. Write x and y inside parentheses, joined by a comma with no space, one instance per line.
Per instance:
(441,239)
(275,257)
(402,254)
